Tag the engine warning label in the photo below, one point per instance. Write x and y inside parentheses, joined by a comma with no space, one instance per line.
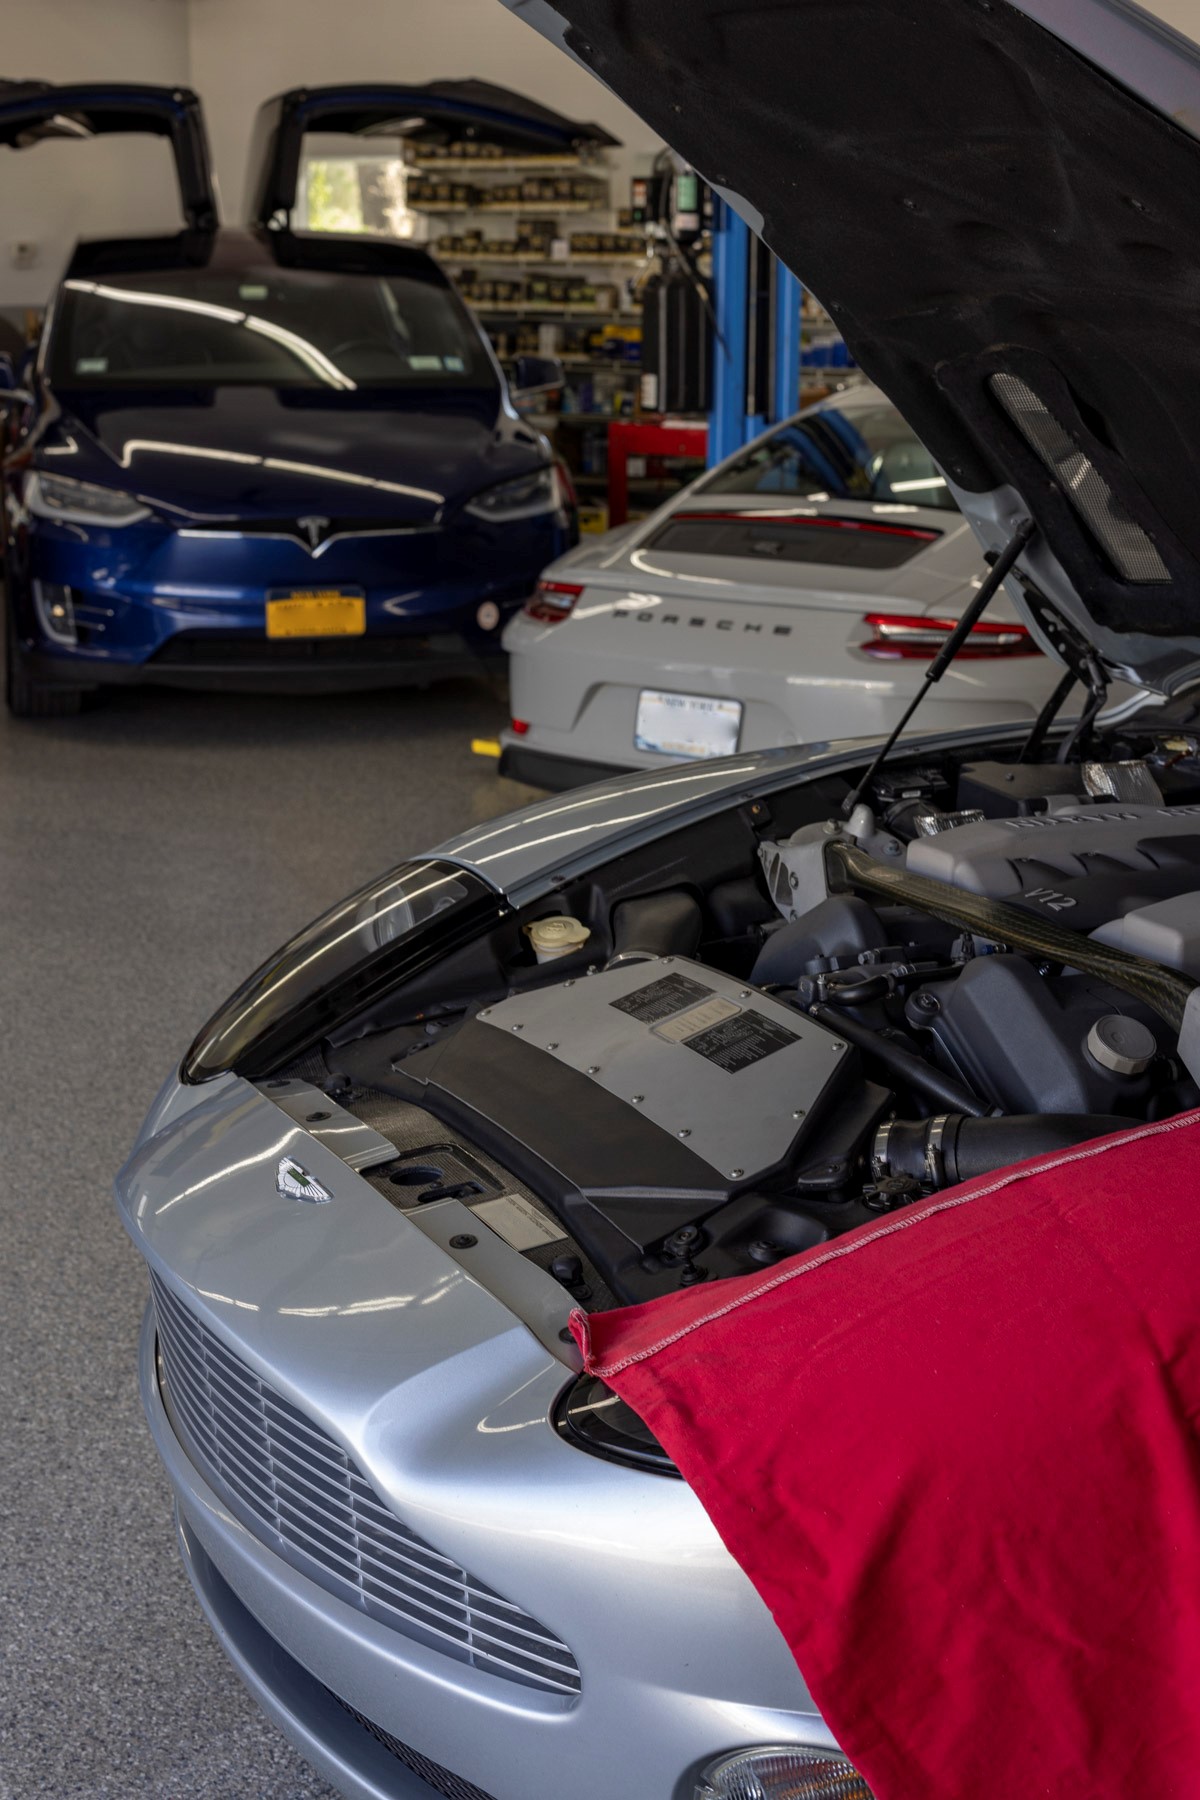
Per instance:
(695,1019)
(661,998)
(740,1042)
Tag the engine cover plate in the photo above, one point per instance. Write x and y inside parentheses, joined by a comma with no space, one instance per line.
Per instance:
(1003,857)
(732,1072)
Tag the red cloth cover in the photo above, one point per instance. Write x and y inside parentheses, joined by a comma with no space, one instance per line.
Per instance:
(956,1452)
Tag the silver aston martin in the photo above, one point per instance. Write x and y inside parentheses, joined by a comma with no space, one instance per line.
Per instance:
(677,1027)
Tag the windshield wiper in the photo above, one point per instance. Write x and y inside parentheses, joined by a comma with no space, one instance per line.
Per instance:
(990,585)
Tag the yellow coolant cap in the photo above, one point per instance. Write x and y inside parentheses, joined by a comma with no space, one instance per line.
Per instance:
(556,937)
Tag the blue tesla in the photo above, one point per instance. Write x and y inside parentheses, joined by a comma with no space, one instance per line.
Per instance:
(257,458)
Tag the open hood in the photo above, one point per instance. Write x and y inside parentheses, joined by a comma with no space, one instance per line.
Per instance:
(31,111)
(996,203)
(441,112)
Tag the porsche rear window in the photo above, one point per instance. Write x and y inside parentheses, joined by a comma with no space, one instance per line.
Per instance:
(845,543)
(839,453)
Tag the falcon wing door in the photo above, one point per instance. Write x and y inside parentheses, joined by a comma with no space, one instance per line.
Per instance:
(32,111)
(440,112)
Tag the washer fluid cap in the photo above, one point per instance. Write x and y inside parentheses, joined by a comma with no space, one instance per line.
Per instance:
(1123,1045)
(556,937)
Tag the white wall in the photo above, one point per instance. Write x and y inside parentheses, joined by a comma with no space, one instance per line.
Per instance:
(55,192)
(236,53)
(242,51)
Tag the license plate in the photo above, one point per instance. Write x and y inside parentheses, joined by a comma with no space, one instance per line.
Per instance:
(686,724)
(316,612)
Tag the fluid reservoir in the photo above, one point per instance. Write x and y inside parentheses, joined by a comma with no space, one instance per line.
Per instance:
(557,936)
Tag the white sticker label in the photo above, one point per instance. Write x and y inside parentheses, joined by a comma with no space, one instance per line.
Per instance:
(518,1222)
(92,365)
(252,292)
(697,1018)
(425,362)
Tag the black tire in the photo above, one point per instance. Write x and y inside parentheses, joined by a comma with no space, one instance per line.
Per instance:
(28,699)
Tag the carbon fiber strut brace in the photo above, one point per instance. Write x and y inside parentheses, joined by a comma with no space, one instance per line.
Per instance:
(1167,991)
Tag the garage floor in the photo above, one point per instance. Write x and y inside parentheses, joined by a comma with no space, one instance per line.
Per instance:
(152,853)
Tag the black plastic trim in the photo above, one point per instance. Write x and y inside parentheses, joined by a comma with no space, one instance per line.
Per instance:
(546,769)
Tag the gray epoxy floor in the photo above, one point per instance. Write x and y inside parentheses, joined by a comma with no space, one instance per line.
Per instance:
(152,852)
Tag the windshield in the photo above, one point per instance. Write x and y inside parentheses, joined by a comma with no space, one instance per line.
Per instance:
(839,453)
(270,327)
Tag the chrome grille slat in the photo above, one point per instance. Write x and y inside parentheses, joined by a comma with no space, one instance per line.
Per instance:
(299,1489)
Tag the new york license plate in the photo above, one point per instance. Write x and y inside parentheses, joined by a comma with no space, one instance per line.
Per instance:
(686,724)
(316,612)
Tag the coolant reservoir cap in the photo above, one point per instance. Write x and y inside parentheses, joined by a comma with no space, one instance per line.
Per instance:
(557,936)
(1123,1045)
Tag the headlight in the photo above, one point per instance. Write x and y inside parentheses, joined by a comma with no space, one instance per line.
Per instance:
(523,498)
(590,1416)
(782,1772)
(80,502)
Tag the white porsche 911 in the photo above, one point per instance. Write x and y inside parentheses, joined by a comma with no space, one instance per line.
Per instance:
(792,595)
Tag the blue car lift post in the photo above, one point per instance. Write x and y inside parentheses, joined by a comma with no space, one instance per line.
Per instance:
(730,423)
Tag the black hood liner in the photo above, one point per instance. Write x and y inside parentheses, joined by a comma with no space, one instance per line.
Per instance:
(964,193)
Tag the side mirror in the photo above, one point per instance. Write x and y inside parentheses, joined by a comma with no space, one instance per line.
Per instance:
(536,375)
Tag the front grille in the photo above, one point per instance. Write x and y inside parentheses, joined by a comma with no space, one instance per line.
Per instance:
(298,1491)
(442,1781)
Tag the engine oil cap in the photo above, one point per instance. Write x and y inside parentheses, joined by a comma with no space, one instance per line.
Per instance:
(1125,1046)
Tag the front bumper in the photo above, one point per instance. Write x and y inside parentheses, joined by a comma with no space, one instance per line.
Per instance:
(442,1397)
(307,1657)
(251,663)
(182,610)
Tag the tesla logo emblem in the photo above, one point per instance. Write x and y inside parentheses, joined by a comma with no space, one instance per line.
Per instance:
(314,529)
(294,1182)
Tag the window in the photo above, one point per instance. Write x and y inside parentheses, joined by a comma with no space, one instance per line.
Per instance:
(839,453)
(267,326)
(356,193)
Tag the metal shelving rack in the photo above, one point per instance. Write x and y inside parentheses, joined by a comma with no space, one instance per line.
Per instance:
(601,383)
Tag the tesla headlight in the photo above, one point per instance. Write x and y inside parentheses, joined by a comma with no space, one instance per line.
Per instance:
(81,502)
(523,498)
(782,1772)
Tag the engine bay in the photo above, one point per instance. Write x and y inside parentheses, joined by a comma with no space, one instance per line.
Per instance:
(773,1026)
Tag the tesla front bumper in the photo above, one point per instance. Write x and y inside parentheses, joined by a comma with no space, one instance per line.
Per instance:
(371,1342)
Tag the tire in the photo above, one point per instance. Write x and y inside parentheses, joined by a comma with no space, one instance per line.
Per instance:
(28,699)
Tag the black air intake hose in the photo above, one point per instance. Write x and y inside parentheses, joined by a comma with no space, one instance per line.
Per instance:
(1167,991)
(939,1152)
(657,925)
(904,1064)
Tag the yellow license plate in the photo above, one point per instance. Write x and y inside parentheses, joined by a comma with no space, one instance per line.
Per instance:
(316,612)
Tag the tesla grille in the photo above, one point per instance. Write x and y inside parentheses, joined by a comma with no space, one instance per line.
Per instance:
(298,1490)
(442,1781)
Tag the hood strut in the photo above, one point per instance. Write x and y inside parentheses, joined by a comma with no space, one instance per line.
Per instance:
(993,580)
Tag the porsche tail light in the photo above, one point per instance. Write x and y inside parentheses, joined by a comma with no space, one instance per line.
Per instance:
(911,637)
(552,602)
(519,727)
